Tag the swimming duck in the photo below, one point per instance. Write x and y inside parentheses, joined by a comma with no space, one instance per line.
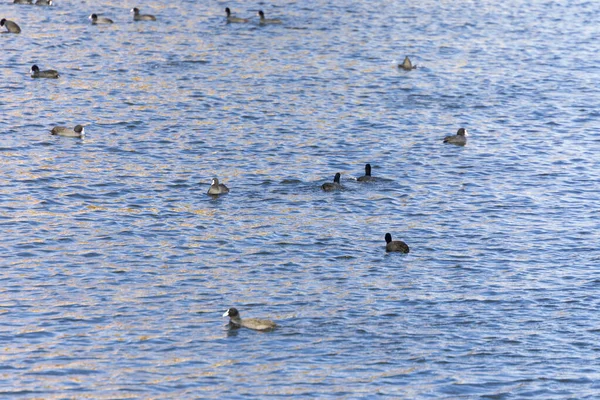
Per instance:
(251,323)
(11,26)
(99,20)
(50,73)
(367,177)
(217,188)
(265,21)
(77,132)
(231,18)
(141,17)
(330,187)
(43,3)
(23,2)
(395,245)
(406,64)
(460,139)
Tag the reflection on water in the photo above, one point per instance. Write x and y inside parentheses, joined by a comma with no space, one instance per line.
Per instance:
(117,266)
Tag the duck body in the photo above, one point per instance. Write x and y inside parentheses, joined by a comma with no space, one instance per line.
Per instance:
(267,21)
(50,73)
(77,132)
(100,20)
(30,2)
(367,176)
(11,26)
(406,64)
(460,139)
(395,245)
(332,186)
(232,19)
(217,188)
(235,321)
(141,17)
(43,3)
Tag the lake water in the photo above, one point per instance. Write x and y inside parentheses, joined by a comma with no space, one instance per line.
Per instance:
(116,267)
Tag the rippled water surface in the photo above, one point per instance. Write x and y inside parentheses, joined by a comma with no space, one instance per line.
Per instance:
(116,266)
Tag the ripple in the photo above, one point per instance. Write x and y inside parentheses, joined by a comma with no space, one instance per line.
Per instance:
(117,267)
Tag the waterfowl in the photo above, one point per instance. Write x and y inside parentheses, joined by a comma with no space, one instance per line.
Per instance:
(217,188)
(11,26)
(367,177)
(330,187)
(460,139)
(77,132)
(23,2)
(141,17)
(406,64)
(231,18)
(266,21)
(99,20)
(251,323)
(43,3)
(395,245)
(50,73)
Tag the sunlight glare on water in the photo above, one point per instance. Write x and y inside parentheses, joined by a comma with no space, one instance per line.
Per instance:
(117,267)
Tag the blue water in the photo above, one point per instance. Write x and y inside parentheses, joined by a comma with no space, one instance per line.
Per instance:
(116,267)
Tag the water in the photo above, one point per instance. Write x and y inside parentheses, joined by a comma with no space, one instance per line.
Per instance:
(116,267)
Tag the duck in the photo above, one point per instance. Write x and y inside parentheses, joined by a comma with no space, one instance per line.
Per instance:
(395,245)
(367,177)
(331,186)
(231,18)
(235,321)
(460,139)
(406,64)
(265,21)
(11,26)
(99,20)
(217,188)
(77,132)
(43,3)
(23,2)
(50,73)
(141,17)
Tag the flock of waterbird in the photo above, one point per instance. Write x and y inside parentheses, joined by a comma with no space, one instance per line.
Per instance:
(216,188)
